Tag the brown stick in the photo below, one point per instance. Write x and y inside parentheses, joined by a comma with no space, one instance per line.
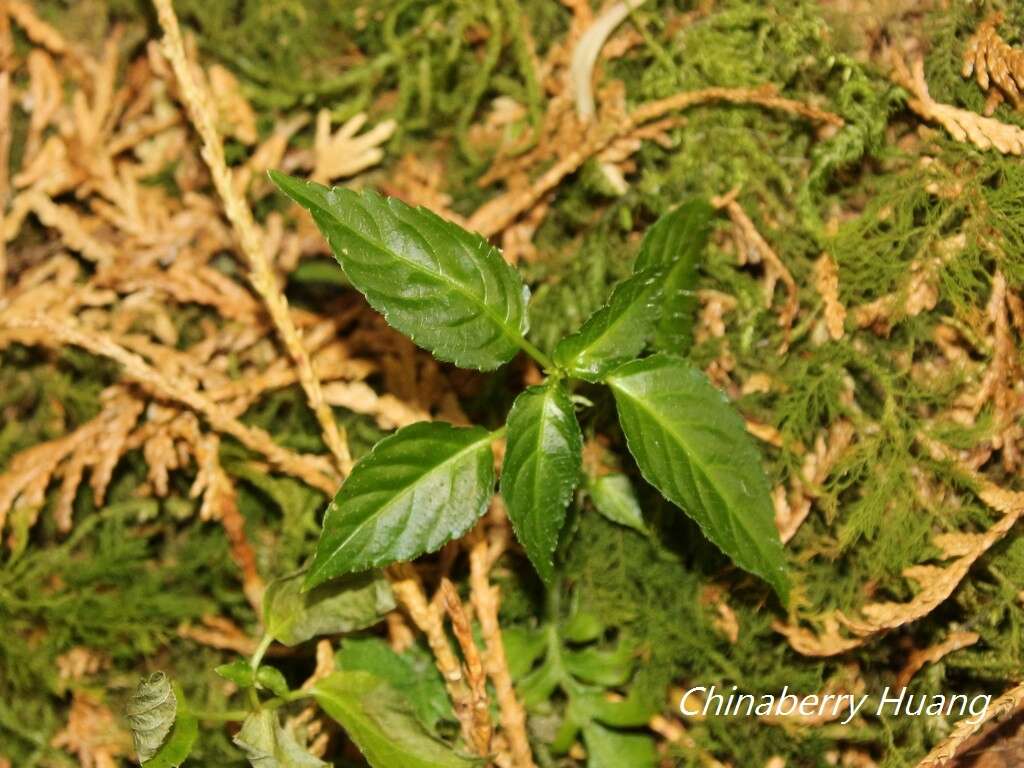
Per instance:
(497,214)
(474,666)
(249,235)
(428,619)
(5,153)
(486,599)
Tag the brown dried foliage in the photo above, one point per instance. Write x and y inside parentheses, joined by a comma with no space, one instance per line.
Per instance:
(963,125)
(532,166)
(993,62)
(838,632)
(964,734)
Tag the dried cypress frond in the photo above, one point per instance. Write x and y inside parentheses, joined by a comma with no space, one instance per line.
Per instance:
(993,61)
(962,124)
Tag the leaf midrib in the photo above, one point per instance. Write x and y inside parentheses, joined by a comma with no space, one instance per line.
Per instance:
(514,336)
(693,455)
(405,490)
(616,321)
(539,443)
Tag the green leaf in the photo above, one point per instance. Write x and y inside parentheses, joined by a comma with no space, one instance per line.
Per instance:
(267,745)
(541,468)
(272,679)
(614,749)
(413,672)
(691,445)
(523,646)
(614,497)
(379,721)
(675,243)
(178,746)
(238,672)
(582,627)
(447,289)
(617,332)
(150,714)
(416,490)
(634,711)
(605,668)
(292,616)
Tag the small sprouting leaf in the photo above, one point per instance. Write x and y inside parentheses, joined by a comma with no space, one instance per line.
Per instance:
(379,720)
(617,332)
(267,745)
(415,491)
(691,445)
(614,497)
(607,748)
(238,672)
(523,646)
(582,627)
(292,616)
(447,289)
(541,468)
(272,679)
(605,668)
(150,714)
(675,243)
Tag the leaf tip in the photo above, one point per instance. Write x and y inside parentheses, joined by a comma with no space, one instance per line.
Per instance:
(281,180)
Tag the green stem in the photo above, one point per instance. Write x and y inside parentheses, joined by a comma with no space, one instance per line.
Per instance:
(543,360)
(261,650)
(280,701)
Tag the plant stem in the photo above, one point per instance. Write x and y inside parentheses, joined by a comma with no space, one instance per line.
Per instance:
(261,650)
(543,360)
(279,701)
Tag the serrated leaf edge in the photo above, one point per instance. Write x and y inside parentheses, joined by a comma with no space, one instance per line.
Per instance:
(313,579)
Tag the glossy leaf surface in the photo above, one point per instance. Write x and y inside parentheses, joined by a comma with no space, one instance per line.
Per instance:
(690,444)
(541,469)
(614,497)
(617,332)
(675,243)
(447,289)
(415,491)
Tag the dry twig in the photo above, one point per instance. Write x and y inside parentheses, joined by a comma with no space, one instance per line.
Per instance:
(249,236)
(474,666)
(993,61)
(752,248)
(963,125)
(497,214)
(918,659)
(486,601)
(826,276)
(1001,709)
(310,469)
(428,618)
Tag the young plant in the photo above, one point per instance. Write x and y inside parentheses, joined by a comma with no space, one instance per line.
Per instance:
(453,294)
